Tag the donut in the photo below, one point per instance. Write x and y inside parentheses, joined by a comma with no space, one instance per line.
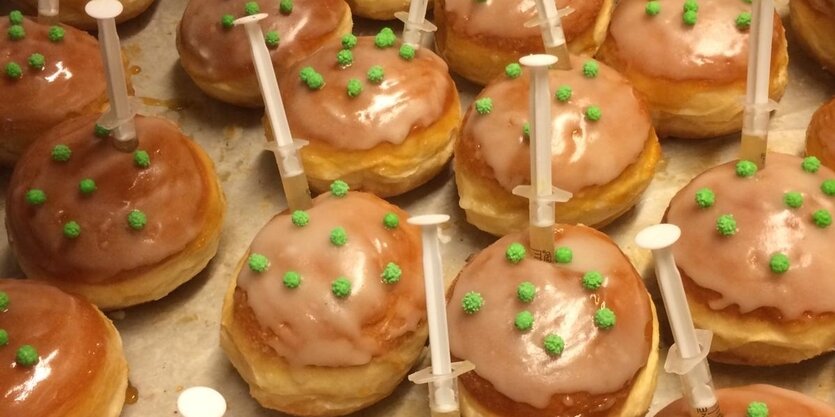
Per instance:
(690,62)
(479,38)
(820,139)
(755,257)
(379,9)
(118,228)
(63,357)
(71,12)
(577,337)
(811,23)
(50,73)
(325,314)
(757,401)
(217,57)
(379,114)
(604,148)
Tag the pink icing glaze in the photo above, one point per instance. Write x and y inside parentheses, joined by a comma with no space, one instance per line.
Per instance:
(780,403)
(314,327)
(582,150)
(594,361)
(737,267)
(413,95)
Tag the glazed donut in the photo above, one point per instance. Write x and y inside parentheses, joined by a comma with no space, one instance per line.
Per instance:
(692,75)
(381,118)
(325,314)
(72,12)
(379,9)
(776,402)
(62,356)
(578,337)
(606,163)
(117,228)
(215,54)
(478,38)
(755,255)
(811,21)
(820,136)
(50,73)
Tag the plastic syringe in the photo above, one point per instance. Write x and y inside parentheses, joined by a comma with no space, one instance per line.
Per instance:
(553,36)
(757,104)
(48,11)
(415,23)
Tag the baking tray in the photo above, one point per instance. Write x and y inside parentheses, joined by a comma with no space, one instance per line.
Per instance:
(173,344)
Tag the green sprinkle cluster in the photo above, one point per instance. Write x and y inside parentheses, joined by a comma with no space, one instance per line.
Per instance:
(354,87)
(61,153)
(407,52)
(27,356)
(592,280)
(472,302)
(141,159)
(4,301)
(37,61)
(285,7)
(691,12)
(563,255)
(16,32)
(756,409)
(4,337)
(828,187)
(14,71)
(345,57)
(515,252)
(341,287)
(16,17)
(779,263)
(745,169)
(272,39)
(523,321)
(292,279)
(605,318)
(484,105)
(87,186)
(822,218)
(258,263)
(391,273)
(35,197)
(311,78)
(338,236)
(100,131)
(385,38)
(705,197)
(251,8)
(593,113)
(227,21)
(513,70)
(811,164)
(591,68)
(300,218)
(349,41)
(553,344)
(743,21)
(726,225)
(526,292)
(793,199)
(339,188)
(72,229)
(653,8)
(563,93)
(390,221)
(137,219)
(56,34)
(375,74)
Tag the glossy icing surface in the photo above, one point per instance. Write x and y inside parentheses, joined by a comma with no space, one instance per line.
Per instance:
(780,402)
(508,18)
(413,95)
(595,361)
(71,341)
(311,325)
(582,149)
(171,192)
(737,267)
(223,53)
(72,77)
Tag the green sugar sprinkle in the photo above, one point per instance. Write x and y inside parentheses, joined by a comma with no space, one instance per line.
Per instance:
(653,8)
(793,199)
(593,113)
(390,221)
(726,225)
(513,70)
(4,301)
(745,169)
(35,197)
(354,87)
(472,302)
(811,164)
(689,17)
(315,81)
(37,61)
(27,356)
(305,73)
(87,186)
(553,344)
(828,187)
(101,131)
(16,17)
(526,130)
(526,292)
(349,41)
(385,38)
(339,188)
(300,218)
(285,6)
(375,74)
(137,219)
(563,255)
(779,263)
(16,32)
(61,153)
(56,34)
(691,5)
(227,21)
(705,197)
(523,321)
(338,236)
(72,229)
(272,39)
(341,287)
(407,52)
(515,252)
(484,105)
(292,279)
(743,21)
(391,273)
(592,280)
(251,8)
(258,263)
(605,318)
(4,337)
(822,218)
(14,71)
(345,57)
(591,69)
(563,93)
(756,409)
(141,159)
